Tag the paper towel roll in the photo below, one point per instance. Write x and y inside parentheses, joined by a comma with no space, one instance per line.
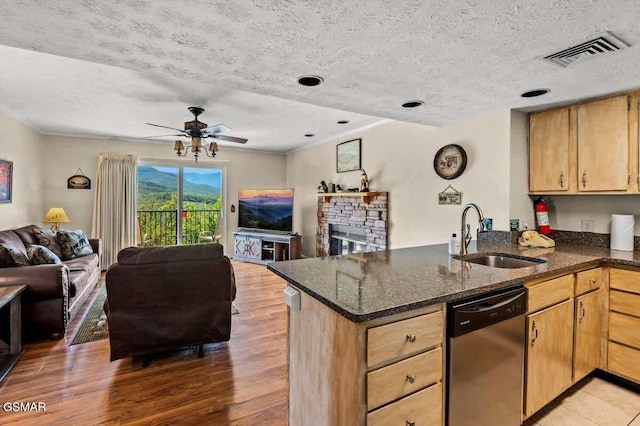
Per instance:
(622,232)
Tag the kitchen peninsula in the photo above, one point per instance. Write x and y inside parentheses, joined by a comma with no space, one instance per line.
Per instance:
(368,344)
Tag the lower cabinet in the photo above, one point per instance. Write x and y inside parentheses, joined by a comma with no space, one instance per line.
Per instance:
(624,324)
(421,408)
(588,333)
(549,355)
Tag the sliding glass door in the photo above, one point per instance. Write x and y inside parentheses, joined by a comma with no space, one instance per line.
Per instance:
(178,204)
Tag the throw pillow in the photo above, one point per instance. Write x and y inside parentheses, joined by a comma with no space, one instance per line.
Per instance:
(40,255)
(48,239)
(73,244)
(11,256)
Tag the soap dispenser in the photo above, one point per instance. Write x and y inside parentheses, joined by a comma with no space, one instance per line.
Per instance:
(454,244)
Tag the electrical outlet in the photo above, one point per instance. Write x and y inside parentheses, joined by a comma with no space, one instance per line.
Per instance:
(587,225)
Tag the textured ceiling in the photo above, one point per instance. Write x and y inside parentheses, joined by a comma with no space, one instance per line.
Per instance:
(464,58)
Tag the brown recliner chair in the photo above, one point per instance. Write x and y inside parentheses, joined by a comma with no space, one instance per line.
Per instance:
(161,298)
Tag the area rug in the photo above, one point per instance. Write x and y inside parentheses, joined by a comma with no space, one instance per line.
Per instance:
(94,324)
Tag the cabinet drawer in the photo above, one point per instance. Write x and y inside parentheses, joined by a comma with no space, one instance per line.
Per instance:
(422,408)
(621,279)
(627,303)
(588,280)
(395,381)
(548,293)
(624,329)
(624,361)
(386,342)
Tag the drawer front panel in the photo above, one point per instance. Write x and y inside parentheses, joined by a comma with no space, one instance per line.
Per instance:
(548,293)
(422,408)
(390,341)
(588,280)
(627,303)
(624,329)
(404,377)
(624,361)
(621,279)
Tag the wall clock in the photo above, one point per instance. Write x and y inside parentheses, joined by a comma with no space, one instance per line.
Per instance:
(450,161)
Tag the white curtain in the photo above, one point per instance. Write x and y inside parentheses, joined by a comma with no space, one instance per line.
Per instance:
(114,207)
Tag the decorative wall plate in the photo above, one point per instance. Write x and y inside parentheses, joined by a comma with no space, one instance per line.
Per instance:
(450,161)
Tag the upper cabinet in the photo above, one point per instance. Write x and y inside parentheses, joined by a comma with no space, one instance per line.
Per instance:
(584,148)
(603,145)
(549,150)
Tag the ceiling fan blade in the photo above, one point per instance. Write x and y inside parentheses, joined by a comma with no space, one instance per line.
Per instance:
(165,127)
(160,136)
(229,138)
(217,128)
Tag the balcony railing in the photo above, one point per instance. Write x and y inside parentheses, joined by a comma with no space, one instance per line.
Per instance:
(159,227)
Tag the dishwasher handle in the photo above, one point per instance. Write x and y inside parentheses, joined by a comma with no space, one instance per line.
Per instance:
(488,307)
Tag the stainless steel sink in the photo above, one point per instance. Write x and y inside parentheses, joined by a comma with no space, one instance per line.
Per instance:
(502,260)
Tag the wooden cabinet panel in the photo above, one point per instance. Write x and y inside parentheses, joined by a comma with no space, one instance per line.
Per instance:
(549,150)
(549,355)
(549,293)
(603,145)
(588,333)
(387,342)
(622,279)
(624,329)
(626,303)
(624,361)
(421,408)
(402,378)
(588,280)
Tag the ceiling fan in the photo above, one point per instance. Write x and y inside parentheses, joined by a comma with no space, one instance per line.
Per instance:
(197,130)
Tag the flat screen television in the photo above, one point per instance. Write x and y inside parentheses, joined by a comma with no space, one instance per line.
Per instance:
(270,209)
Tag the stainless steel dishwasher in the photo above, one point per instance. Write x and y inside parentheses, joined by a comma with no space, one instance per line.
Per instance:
(485,362)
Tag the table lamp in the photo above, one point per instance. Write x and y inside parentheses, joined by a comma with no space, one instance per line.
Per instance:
(56,215)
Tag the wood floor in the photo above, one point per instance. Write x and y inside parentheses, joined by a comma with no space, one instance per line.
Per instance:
(240,382)
(243,381)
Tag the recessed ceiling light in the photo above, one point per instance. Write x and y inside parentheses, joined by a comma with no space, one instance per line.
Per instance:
(310,80)
(343,121)
(534,93)
(310,135)
(412,104)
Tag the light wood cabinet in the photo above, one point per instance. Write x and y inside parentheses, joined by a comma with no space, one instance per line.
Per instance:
(603,145)
(422,408)
(549,293)
(588,280)
(588,333)
(549,355)
(549,151)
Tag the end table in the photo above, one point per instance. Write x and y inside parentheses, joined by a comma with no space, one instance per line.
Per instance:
(10,328)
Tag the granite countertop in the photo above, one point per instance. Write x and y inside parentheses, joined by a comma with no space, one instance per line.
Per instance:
(365,286)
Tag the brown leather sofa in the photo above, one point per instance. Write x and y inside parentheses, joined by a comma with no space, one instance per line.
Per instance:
(162,298)
(54,293)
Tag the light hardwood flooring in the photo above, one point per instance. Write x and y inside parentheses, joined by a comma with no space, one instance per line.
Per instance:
(240,382)
(243,381)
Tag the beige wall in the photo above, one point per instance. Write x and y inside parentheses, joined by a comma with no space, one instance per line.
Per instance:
(398,158)
(64,155)
(567,212)
(22,145)
(521,206)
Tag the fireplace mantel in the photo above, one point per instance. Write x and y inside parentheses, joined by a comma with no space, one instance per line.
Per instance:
(366,197)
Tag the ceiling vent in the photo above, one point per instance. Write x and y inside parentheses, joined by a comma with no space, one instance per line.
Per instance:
(606,43)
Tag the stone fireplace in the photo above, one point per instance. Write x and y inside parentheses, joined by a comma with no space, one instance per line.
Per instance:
(351,223)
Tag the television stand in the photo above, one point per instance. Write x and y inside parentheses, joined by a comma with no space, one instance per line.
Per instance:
(257,246)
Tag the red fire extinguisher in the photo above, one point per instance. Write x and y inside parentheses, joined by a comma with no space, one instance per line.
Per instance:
(542,216)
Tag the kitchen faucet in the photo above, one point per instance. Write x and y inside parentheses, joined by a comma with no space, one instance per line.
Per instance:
(465,235)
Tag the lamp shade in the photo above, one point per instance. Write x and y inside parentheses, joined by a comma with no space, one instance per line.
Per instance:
(56,215)
(178,146)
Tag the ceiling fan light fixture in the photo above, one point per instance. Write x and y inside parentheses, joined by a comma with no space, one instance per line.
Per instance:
(196,143)
(178,146)
(412,104)
(310,80)
(213,147)
(534,93)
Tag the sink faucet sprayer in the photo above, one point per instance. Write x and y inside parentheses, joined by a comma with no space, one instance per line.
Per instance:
(466,234)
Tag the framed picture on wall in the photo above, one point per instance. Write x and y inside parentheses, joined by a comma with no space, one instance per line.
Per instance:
(6,180)
(348,156)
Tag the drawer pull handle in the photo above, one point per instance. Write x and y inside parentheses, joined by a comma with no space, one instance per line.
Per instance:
(411,423)
(411,378)
(534,330)
(411,338)
(593,280)
(584,178)
(583,312)
(561,179)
